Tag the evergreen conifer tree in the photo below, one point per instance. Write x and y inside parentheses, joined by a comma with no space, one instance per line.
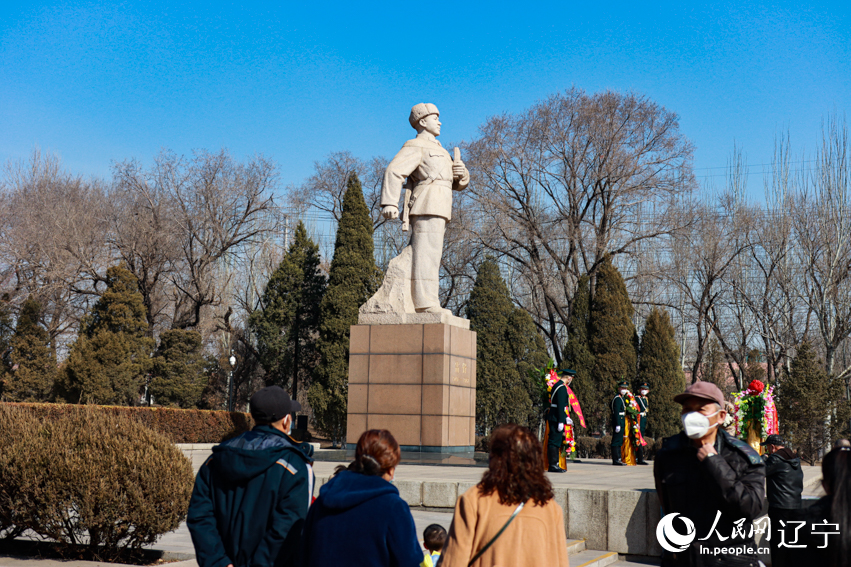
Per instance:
(577,356)
(508,347)
(353,278)
(179,369)
(811,405)
(111,357)
(611,337)
(33,369)
(659,366)
(287,323)
(6,331)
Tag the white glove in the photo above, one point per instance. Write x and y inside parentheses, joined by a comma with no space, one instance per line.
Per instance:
(568,421)
(618,429)
(561,427)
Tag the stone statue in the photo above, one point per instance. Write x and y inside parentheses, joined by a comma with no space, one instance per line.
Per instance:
(429,175)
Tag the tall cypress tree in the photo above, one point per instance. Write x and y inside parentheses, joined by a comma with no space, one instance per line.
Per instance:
(111,357)
(659,366)
(612,335)
(352,279)
(6,331)
(508,347)
(33,368)
(179,369)
(287,323)
(811,405)
(577,356)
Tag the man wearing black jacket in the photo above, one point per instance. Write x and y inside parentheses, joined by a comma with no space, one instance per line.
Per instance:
(714,480)
(251,496)
(784,484)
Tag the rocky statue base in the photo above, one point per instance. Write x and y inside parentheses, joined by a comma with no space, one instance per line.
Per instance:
(417,380)
(392,304)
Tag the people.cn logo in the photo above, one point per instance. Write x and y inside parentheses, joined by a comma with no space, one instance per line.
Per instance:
(672,540)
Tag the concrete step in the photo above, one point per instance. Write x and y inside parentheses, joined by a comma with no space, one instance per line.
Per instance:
(575,546)
(591,558)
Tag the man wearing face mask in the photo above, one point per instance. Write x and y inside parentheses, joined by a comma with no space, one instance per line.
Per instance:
(703,471)
(251,496)
(618,406)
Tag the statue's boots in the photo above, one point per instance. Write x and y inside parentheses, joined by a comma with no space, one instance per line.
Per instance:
(552,459)
(641,460)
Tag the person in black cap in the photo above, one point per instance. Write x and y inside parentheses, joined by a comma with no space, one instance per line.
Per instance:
(784,484)
(618,406)
(250,499)
(643,410)
(557,418)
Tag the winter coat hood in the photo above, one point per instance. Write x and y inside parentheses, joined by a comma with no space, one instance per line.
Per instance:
(789,456)
(251,454)
(349,489)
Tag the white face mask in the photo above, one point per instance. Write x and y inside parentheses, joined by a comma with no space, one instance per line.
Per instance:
(696,425)
(622,392)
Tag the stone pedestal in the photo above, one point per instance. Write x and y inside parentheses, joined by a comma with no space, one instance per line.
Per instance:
(416,380)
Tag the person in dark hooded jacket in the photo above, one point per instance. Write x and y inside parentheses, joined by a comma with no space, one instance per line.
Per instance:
(359,517)
(784,484)
(251,496)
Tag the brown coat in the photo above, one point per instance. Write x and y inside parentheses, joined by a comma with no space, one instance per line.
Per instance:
(535,538)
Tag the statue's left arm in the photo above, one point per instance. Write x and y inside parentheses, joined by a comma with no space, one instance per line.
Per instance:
(460,175)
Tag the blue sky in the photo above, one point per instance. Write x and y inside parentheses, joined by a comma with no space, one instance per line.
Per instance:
(103,82)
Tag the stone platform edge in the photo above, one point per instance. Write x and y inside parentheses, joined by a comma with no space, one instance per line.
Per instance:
(449,450)
(412,319)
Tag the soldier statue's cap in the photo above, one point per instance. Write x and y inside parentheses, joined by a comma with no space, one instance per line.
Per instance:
(421,110)
(271,404)
(623,384)
(774,439)
(566,372)
(703,390)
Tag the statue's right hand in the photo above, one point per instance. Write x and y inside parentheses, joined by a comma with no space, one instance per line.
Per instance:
(390,212)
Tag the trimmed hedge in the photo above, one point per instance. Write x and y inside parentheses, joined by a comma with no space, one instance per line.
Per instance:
(178,425)
(91,478)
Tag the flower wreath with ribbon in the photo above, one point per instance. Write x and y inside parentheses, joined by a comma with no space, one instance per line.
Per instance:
(755,407)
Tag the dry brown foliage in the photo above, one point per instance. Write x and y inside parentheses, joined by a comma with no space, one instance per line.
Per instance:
(90,477)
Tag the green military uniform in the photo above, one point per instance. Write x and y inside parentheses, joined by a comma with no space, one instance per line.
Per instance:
(618,406)
(556,414)
(644,410)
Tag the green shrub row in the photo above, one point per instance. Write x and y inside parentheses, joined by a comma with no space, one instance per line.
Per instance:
(178,425)
(89,477)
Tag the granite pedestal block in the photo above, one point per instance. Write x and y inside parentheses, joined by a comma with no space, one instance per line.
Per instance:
(416,380)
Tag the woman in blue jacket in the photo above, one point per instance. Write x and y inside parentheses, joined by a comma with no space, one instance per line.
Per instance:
(359,517)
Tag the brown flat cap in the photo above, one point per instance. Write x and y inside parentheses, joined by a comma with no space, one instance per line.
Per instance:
(704,390)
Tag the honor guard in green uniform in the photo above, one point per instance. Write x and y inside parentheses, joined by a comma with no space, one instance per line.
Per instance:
(557,419)
(644,409)
(618,406)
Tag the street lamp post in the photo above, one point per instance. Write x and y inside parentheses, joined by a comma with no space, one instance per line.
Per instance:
(232,361)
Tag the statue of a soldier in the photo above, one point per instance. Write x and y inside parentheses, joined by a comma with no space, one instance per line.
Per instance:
(429,175)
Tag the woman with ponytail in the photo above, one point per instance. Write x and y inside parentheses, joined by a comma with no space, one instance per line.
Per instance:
(834,510)
(359,517)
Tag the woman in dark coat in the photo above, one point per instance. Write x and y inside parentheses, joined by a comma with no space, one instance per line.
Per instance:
(359,517)
(827,531)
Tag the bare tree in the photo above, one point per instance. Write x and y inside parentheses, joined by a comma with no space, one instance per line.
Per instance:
(323,191)
(557,187)
(51,240)
(822,224)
